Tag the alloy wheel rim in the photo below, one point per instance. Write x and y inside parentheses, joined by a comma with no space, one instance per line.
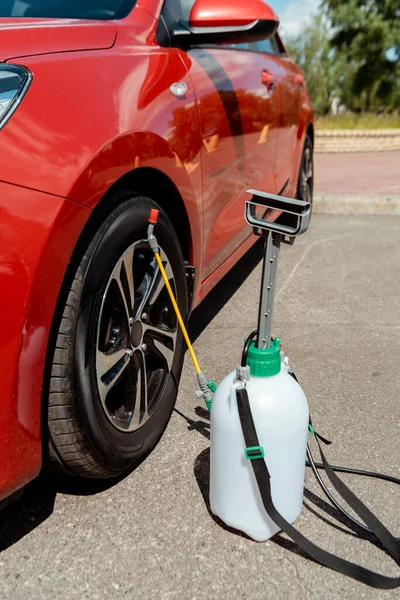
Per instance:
(307,174)
(136,338)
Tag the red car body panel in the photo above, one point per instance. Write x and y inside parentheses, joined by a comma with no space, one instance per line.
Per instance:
(100,107)
(38,233)
(232,119)
(27,37)
(226,12)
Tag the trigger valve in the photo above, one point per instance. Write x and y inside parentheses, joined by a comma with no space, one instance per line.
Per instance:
(153,218)
(151,238)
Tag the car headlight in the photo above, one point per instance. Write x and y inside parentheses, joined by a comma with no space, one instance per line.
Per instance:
(14,82)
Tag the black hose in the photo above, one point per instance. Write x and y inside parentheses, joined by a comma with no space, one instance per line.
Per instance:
(315,466)
(247,346)
(310,463)
(382,476)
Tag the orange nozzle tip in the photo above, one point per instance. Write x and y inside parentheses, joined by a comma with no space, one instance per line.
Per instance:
(153,218)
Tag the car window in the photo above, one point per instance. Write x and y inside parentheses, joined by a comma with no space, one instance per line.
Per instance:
(172,12)
(67,9)
(268,46)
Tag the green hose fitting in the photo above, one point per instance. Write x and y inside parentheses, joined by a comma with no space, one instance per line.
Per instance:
(212,385)
(207,389)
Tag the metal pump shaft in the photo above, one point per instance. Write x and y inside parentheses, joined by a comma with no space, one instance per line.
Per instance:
(294,220)
(267,298)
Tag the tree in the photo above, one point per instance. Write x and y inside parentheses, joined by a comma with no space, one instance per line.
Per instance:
(367,35)
(312,50)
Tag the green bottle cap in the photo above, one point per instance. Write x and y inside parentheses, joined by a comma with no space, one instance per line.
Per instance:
(265,363)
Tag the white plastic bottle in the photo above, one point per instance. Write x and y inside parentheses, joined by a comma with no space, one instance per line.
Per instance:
(280,413)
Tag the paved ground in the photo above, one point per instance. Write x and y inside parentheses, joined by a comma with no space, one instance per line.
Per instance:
(358,173)
(151,535)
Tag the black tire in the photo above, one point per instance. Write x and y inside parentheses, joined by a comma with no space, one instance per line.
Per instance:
(305,185)
(90,435)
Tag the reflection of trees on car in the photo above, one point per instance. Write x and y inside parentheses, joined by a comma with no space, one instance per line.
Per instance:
(251,118)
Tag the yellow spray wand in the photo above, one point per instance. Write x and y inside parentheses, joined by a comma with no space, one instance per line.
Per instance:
(207,386)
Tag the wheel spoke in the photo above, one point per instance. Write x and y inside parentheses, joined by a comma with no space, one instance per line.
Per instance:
(155,285)
(307,165)
(107,361)
(159,332)
(110,368)
(163,340)
(167,265)
(165,351)
(140,411)
(155,288)
(308,194)
(309,171)
(123,276)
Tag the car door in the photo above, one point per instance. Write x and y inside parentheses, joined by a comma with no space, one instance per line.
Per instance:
(238,120)
(238,116)
(289,83)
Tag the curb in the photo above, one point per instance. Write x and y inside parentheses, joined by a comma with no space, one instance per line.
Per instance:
(356,204)
(357,140)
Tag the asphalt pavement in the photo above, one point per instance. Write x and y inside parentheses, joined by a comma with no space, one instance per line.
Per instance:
(151,535)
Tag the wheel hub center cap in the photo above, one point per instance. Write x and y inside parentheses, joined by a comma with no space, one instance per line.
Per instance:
(137,333)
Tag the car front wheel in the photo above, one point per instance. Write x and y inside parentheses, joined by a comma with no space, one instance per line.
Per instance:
(118,355)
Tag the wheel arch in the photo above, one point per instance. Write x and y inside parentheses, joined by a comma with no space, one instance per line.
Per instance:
(146,164)
(151,182)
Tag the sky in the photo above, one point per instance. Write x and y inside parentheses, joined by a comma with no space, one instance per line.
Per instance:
(294,13)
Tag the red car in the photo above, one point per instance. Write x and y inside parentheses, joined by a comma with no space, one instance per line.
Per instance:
(109,108)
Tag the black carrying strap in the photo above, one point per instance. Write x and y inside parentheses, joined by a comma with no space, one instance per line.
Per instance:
(323,557)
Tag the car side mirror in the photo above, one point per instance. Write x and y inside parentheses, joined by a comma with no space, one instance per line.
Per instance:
(226,22)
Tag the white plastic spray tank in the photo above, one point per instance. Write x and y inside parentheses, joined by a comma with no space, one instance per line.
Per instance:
(280,413)
(277,403)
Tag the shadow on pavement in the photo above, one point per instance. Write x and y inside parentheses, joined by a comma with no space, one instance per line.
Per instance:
(36,503)
(25,514)
(223,291)
(202,427)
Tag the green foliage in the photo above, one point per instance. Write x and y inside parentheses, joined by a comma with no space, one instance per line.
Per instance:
(312,50)
(367,36)
(363,121)
(351,51)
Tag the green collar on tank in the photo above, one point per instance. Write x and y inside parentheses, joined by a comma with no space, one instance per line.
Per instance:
(265,363)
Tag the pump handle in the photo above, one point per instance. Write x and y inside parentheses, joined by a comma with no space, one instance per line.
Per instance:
(293,221)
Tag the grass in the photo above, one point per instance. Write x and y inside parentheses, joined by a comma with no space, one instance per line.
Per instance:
(363,121)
